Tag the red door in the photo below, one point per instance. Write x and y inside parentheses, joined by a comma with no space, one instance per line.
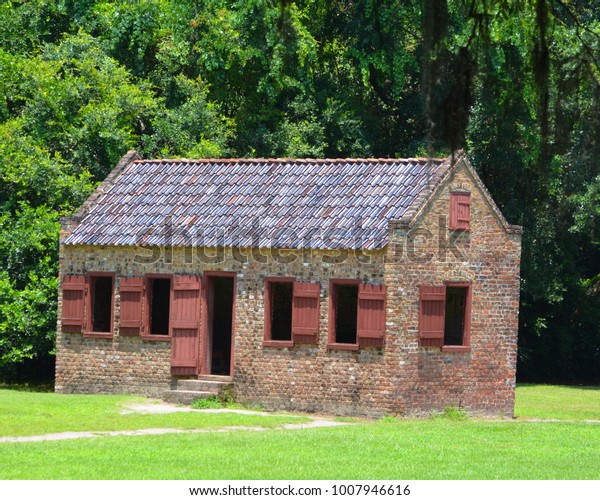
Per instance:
(185,325)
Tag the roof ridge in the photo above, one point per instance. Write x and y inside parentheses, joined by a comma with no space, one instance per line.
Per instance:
(290,160)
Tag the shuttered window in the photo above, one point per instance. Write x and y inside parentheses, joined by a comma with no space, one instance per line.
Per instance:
(445,316)
(131,306)
(356,314)
(371,315)
(73,303)
(460,211)
(87,305)
(305,312)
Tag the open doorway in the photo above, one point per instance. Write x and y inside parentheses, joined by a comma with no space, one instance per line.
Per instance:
(219,324)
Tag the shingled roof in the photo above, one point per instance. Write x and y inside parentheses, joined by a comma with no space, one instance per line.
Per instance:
(266,203)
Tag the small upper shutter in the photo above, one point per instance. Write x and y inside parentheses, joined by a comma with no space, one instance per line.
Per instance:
(73,303)
(131,306)
(305,312)
(432,315)
(371,315)
(460,210)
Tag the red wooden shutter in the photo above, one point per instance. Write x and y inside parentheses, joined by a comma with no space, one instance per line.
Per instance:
(460,210)
(370,328)
(432,315)
(305,312)
(73,303)
(131,306)
(185,324)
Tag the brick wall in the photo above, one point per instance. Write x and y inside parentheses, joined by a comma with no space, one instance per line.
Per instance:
(482,380)
(400,378)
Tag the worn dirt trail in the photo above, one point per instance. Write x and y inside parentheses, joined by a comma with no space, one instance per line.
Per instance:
(162,408)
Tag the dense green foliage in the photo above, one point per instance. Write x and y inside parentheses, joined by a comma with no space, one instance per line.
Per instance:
(515,82)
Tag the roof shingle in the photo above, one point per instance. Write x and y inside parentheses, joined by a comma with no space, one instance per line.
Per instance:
(269,203)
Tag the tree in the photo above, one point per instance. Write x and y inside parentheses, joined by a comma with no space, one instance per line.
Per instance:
(515,82)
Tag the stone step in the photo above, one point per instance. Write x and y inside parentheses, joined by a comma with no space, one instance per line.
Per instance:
(205,385)
(185,397)
(216,378)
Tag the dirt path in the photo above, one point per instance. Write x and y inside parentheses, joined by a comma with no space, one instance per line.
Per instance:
(168,408)
(162,408)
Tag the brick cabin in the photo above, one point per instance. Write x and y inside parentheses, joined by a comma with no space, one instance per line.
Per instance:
(344,286)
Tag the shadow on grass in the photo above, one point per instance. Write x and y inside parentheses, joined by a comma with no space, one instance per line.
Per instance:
(28,387)
(561,386)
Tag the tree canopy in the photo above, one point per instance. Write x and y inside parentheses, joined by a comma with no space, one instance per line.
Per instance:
(515,82)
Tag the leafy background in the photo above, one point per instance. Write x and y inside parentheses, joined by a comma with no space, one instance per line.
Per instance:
(515,82)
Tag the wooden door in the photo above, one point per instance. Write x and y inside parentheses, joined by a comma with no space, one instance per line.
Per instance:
(185,324)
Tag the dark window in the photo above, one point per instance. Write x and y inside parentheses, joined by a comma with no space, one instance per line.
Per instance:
(159,302)
(101,290)
(454,324)
(281,310)
(346,301)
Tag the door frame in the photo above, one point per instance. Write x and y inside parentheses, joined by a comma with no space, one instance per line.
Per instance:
(204,369)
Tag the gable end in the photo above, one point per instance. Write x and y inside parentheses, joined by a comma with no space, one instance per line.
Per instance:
(421,203)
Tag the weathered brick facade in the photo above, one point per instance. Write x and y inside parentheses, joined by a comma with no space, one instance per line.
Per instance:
(399,378)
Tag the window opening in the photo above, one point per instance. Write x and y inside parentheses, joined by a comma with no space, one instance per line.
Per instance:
(346,302)
(456,305)
(281,310)
(102,288)
(160,302)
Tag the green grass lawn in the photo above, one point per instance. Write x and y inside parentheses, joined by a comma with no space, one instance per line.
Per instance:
(431,449)
(389,449)
(31,413)
(557,402)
